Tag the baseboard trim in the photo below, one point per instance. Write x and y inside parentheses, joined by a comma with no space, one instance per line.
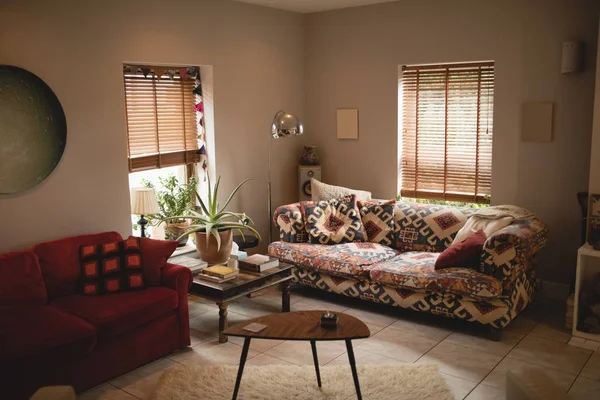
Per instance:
(553,290)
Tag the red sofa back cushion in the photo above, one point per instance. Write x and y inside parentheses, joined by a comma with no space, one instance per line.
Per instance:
(59,261)
(21,279)
(155,254)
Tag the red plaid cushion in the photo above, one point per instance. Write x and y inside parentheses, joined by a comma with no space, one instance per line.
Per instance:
(111,267)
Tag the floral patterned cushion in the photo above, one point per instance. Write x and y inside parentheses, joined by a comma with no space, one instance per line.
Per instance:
(349,260)
(378,220)
(427,227)
(334,221)
(415,270)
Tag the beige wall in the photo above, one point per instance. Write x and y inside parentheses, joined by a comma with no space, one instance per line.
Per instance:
(352,58)
(595,153)
(78,48)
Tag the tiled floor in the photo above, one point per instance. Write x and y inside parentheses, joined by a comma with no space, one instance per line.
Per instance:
(473,366)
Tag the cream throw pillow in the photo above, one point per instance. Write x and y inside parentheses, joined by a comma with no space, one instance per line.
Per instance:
(322,191)
(476,223)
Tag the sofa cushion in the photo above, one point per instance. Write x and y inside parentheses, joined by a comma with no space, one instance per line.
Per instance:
(465,254)
(416,270)
(290,221)
(59,261)
(43,332)
(334,221)
(349,260)
(111,267)
(323,191)
(155,254)
(21,279)
(116,313)
(378,220)
(427,227)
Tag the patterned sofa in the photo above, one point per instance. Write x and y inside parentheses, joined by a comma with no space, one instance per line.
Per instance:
(399,270)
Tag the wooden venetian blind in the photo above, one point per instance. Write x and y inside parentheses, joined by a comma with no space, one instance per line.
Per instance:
(447,131)
(161,120)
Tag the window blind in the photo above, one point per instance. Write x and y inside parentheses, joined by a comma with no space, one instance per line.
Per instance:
(161,119)
(447,131)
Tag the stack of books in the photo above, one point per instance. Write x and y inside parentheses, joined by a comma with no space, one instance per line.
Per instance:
(218,274)
(258,263)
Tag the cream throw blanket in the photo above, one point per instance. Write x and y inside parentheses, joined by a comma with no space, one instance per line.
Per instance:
(491,220)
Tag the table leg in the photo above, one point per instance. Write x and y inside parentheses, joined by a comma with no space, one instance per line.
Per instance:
(241,367)
(285,296)
(222,321)
(353,367)
(313,344)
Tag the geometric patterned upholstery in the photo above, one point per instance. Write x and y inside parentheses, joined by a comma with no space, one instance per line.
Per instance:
(493,295)
(416,270)
(427,227)
(111,267)
(343,260)
(496,312)
(333,221)
(378,220)
(290,222)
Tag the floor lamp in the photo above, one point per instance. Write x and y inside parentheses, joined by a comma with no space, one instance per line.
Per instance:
(284,125)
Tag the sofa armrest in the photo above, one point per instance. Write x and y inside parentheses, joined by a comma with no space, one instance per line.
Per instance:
(290,221)
(511,251)
(180,278)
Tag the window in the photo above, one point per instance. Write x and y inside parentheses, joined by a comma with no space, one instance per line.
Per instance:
(446,131)
(164,113)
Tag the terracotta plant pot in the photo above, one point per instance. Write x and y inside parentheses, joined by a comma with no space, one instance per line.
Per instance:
(209,253)
(174,230)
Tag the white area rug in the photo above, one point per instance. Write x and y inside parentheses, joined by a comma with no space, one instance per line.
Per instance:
(398,382)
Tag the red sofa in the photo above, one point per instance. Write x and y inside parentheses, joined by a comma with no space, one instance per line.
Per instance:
(52,335)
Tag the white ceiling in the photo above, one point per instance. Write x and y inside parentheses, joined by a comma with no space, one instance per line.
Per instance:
(308,6)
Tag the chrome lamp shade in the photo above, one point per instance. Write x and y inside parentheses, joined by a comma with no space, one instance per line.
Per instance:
(285,124)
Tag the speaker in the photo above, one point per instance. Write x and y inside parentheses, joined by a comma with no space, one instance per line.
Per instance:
(305,172)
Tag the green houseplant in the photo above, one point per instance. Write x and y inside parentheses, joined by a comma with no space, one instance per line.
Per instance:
(213,225)
(175,201)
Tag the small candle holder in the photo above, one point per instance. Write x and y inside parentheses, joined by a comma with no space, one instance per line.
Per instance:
(329,320)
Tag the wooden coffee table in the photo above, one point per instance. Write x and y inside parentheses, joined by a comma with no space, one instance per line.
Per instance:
(302,325)
(244,284)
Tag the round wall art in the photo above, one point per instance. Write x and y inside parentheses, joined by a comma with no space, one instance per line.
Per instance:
(33,130)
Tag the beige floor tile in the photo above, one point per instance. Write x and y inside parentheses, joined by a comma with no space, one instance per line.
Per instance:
(141,382)
(372,316)
(208,322)
(546,331)
(318,304)
(197,337)
(260,345)
(497,378)
(363,357)
(458,386)
(397,344)
(197,308)
(105,391)
(460,361)
(521,326)
(478,342)
(427,330)
(550,354)
(263,359)
(592,367)
(257,306)
(211,352)
(299,352)
(483,392)
(585,389)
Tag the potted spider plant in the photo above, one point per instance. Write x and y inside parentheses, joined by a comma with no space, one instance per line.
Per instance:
(214,226)
(175,200)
